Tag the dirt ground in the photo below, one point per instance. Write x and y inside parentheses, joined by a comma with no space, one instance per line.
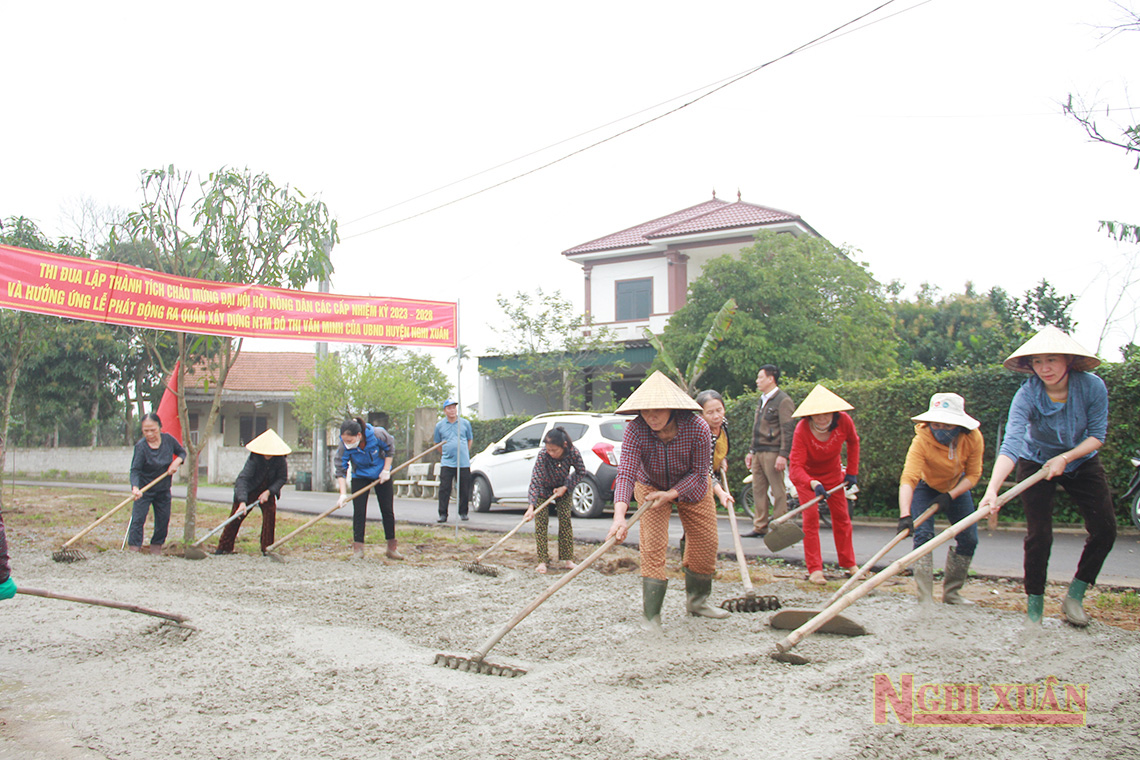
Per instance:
(325,656)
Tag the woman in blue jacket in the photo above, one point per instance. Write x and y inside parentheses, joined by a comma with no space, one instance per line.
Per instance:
(1058,419)
(369,449)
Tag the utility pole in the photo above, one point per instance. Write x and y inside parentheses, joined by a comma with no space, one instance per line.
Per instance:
(320,452)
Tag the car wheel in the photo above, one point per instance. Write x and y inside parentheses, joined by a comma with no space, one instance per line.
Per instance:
(587,501)
(480,494)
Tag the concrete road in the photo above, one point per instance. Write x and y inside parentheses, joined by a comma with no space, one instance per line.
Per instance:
(999,552)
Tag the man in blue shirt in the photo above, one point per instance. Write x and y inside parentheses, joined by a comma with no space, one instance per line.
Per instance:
(455,459)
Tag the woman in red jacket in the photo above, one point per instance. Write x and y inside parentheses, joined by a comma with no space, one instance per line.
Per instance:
(816,468)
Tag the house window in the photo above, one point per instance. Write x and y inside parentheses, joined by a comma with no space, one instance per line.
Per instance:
(634,299)
(251,427)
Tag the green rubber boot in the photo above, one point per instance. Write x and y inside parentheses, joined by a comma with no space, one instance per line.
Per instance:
(1072,605)
(1035,607)
(652,597)
(957,568)
(697,590)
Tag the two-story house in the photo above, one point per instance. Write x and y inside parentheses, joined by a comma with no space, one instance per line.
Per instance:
(639,276)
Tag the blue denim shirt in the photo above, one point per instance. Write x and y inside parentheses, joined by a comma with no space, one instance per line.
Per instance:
(1039,428)
(449,434)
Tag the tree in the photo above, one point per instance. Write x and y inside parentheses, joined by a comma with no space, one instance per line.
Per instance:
(688,379)
(233,226)
(549,351)
(804,305)
(361,380)
(971,329)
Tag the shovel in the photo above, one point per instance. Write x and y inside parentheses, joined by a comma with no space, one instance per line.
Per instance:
(791,619)
(269,549)
(476,662)
(64,554)
(783,647)
(750,602)
(193,552)
(782,534)
(481,569)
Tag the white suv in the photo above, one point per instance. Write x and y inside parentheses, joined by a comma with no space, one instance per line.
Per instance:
(501,472)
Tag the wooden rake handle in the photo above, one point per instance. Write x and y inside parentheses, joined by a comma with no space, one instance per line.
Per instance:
(514,530)
(105,517)
(901,564)
(789,515)
(858,576)
(349,498)
(102,603)
(741,560)
(554,587)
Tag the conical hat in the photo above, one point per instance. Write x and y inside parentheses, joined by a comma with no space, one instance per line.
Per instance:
(657,392)
(821,401)
(269,444)
(1051,341)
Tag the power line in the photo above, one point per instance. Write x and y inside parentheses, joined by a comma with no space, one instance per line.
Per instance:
(716,87)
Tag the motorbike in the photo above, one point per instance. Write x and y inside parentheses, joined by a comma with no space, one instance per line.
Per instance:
(1132,495)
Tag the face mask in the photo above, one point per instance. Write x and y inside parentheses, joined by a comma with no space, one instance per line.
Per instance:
(351,446)
(945,437)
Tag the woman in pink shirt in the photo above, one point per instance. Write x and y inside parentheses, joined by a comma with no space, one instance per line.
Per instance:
(816,468)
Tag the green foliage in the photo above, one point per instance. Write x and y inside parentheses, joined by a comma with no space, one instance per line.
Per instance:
(800,299)
(546,354)
(971,329)
(687,380)
(883,408)
(369,379)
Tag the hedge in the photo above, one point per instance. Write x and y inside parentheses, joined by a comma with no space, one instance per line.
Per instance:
(882,413)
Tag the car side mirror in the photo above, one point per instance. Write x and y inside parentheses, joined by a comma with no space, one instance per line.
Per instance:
(499,450)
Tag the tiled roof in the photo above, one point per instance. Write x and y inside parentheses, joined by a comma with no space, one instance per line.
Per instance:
(709,216)
(267,372)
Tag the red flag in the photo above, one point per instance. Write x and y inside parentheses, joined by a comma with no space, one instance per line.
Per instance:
(168,407)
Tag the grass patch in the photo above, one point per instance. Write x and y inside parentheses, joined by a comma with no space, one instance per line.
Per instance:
(1129,600)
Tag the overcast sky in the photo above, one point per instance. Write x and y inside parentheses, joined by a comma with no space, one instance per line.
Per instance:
(932,141)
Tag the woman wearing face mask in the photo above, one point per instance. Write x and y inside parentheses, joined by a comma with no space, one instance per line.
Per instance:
(1058,419)
(369,449)
(944,462)
(551,477)
(816,468)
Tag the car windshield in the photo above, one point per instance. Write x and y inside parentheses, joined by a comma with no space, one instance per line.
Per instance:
(612,431)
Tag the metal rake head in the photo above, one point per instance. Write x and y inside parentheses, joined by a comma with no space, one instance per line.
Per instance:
(754,603)
(475,567)
(470,665)
(68,555)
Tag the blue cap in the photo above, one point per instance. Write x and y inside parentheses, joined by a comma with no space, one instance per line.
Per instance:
(449,402)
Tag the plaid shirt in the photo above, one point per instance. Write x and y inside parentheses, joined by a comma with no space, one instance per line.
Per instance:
(550,473)
(682,463)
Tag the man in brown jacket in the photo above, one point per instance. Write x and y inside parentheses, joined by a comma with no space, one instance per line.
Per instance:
(767,458)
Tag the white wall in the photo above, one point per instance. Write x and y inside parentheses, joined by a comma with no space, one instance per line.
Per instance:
(604,276)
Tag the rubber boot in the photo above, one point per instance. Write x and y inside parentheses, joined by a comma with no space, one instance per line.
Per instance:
(697,590)
(1035,607)
(357,549)
(392,553)
(652,597)
(1072,605)
(957,570)
(924,579)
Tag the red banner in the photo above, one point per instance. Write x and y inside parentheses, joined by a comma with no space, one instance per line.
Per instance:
(120,294)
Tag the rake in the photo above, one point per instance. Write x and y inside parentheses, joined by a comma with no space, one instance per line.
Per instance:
(477,662)
(178,620)
(491,570)
(194,551)
(64,554)
(269,549)
(751,601)
(783,651)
